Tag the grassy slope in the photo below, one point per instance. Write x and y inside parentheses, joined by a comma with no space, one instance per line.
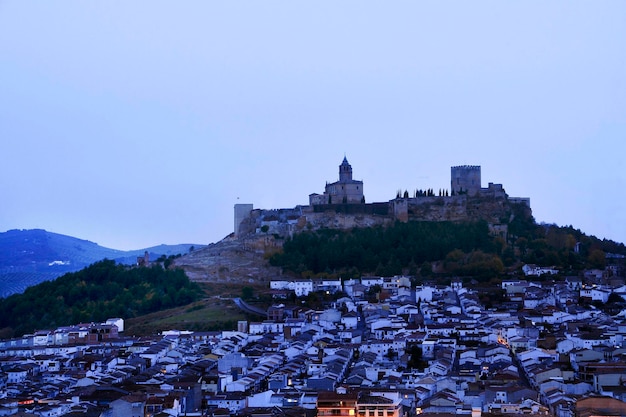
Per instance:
(215,312)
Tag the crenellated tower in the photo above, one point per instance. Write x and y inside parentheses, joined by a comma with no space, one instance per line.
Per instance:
(465,179)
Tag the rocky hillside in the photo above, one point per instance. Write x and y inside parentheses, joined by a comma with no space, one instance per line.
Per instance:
(232,261)
(262,233)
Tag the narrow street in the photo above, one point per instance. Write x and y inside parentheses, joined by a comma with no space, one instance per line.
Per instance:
(246,308)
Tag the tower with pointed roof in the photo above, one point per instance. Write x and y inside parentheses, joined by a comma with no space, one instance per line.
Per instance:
(344,191)
(345,171)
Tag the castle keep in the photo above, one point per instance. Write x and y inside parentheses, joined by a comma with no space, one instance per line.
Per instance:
(342,206)
(465,179)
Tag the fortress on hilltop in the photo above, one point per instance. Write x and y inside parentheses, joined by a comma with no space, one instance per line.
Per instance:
(342,206)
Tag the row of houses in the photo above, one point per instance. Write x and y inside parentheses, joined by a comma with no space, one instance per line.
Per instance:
(352,287)
(80,334)
(423,350)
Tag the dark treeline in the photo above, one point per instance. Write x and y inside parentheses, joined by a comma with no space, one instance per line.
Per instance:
(101,291)
(462,249)
(552,245)
(381,250)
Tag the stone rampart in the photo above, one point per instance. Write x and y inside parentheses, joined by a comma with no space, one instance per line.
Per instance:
(493,207)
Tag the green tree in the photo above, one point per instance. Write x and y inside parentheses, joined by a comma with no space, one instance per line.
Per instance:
(415,359)
(597,259)
(373,293)
(96,293)
(426,269)
(247,293)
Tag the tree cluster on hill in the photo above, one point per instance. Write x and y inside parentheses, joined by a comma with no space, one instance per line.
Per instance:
(549,244)
(102,290)
(461,249)
(380,250)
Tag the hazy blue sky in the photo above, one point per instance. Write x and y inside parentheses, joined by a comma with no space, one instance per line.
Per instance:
(132,124)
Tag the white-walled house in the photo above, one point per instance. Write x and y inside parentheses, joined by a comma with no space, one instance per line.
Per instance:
(535,270)
(16,375)
(116,322)
(301,287)
(371,281)
(424,293)
(595,293)
(265,327)
(233,402)
(350,320)
(281,284)
(329,285)
(382,348)
(43,338)
(565,346)
(260,400)
(587,341)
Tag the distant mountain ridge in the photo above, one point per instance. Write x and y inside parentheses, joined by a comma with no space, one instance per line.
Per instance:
(28,257)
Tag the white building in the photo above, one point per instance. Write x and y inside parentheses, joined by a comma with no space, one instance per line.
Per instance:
(303,287)
(595,293)
(535,270)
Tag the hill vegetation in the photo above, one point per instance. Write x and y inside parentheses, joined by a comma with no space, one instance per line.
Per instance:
(380,250)
(102,290)
(459,249)
(28,257)
(155,298)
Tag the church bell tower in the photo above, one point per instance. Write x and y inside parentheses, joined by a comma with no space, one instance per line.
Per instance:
(345,171)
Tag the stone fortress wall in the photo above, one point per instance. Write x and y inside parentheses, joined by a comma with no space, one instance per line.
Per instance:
(467,201)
